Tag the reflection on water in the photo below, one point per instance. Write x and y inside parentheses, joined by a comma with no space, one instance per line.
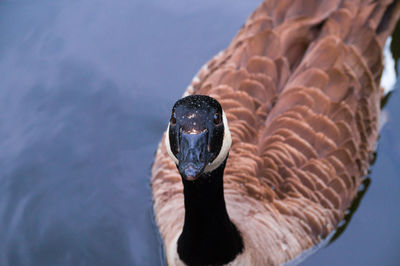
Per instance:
(86,88)
(351,211)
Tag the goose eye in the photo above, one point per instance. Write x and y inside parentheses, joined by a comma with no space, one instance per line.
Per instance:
(172,121)
(217,118)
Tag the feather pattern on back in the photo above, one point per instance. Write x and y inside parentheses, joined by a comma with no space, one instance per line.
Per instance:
(300,87)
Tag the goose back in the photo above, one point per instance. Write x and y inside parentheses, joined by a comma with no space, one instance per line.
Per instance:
(299,85)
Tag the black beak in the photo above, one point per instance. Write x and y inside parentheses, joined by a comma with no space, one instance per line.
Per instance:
(193,155)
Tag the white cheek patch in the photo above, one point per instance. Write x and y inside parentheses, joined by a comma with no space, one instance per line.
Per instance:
(168,147)
(226,145)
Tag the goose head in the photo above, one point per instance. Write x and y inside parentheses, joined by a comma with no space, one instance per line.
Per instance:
(198,137)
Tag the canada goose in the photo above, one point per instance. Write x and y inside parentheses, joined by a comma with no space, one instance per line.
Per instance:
(299,87)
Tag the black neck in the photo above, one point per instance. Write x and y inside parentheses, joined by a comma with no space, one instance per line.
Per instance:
(208,236)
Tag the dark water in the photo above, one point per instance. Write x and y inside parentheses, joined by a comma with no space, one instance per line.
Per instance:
(85,92)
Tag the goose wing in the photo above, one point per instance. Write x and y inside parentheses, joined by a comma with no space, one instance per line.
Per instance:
(300,87)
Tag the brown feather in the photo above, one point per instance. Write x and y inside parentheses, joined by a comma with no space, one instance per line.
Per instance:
(299,85)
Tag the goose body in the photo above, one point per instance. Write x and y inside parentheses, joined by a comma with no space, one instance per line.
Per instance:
(299,88)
